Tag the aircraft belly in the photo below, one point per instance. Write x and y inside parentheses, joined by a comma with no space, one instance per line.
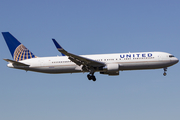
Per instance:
(55,69)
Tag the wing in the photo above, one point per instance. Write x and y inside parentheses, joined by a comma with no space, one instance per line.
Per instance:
(79,60)
(16,62)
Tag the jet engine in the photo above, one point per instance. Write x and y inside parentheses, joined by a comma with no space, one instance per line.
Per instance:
(111,69)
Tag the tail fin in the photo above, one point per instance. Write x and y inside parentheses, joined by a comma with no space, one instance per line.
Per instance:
(18,51)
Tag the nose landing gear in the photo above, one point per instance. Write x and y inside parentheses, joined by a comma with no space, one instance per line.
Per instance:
(165,69)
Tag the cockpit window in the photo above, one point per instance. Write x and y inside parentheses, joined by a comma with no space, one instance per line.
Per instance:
(171,56)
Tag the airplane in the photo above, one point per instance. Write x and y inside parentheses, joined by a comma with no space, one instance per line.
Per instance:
(108,64)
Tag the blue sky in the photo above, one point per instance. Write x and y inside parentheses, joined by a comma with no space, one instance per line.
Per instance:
(91,27)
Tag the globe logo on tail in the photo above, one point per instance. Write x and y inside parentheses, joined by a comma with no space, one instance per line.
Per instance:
(22,53)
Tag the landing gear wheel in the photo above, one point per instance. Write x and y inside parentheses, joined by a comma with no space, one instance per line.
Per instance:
(164,74)
(165,69)
(93,78)
(89,77)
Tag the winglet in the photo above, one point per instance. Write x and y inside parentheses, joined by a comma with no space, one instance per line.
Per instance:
(58,46)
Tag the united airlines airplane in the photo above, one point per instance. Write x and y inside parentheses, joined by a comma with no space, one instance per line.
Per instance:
(109,64)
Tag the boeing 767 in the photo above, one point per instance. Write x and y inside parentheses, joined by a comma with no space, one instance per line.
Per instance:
(109,64)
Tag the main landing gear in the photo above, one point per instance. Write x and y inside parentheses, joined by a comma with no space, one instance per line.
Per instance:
(91,77)
(165,69)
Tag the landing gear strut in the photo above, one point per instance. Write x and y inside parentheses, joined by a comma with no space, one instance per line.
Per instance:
(91,76)
(165,69)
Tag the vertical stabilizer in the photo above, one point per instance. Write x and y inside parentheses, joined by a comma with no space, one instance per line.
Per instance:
(18,51)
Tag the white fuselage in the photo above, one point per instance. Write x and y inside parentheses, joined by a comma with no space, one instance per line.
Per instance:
(126,61)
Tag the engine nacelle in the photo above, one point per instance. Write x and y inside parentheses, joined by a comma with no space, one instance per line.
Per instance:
(111,69)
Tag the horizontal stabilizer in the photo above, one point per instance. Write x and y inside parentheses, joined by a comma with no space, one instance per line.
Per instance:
(15,62)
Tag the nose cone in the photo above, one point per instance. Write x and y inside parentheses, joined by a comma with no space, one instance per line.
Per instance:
(175,60)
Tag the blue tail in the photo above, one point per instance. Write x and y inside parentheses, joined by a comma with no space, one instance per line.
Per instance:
(18,51)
